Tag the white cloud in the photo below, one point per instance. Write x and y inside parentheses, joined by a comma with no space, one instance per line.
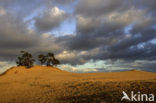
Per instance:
(5,66)
(68,68)
(55,11)
(66,55)
(71,68)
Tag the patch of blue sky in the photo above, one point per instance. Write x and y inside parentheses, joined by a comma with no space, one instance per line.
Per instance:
(70,7)
(128,28)
(92,64)
(153,41)
(141,45)
(29,19)
(102,66)
(68,27)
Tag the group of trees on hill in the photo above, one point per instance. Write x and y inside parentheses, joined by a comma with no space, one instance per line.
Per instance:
(27,60)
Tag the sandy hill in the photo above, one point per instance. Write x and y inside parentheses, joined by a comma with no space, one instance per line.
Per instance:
(41,84)
(22,69)
(53,73)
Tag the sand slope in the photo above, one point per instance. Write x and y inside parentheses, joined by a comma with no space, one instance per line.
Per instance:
(47,84)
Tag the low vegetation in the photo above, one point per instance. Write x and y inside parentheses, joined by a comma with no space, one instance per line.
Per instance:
(42,84)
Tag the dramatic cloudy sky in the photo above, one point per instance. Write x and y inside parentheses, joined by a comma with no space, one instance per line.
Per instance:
(85,35)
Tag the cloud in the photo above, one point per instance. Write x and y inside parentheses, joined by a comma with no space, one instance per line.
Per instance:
(115,30)
(16,36)
(25,8)
(5,66)
(68,68)
(2,11)
(61,2)
(99,7)
(106,31)
(50,19)
(71,68)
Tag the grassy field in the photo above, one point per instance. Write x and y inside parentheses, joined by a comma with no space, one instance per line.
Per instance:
(51,85)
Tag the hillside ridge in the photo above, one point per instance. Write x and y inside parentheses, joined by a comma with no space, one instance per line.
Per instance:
(16,69)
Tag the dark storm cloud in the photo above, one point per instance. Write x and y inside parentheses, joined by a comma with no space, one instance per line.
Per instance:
(148,5)
(92,28)
(148,66)
(16,36)
(134,40)
(100,7)
(14,33)
(104,30)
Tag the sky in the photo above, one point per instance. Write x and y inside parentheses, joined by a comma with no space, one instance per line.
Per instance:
(85,35)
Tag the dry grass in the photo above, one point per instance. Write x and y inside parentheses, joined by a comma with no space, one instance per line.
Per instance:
(51,85)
